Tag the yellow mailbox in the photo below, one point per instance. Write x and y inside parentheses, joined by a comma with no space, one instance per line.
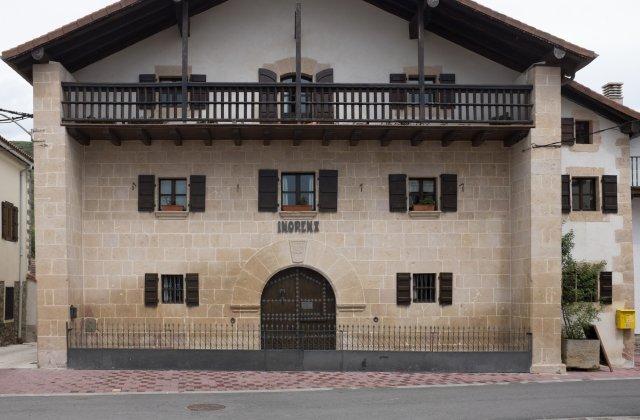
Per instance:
(625,319)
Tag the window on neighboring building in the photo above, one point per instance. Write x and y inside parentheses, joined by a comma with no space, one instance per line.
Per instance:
(583,132)
(171,96)
(424,288)
(429,97)
(289,98)
(172,288)
(298,189)
(173,192)
(10,222)
(583,192)
(422,191)
(8,303)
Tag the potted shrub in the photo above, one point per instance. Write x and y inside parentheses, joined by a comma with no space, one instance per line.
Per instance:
(426,204)
(580,308)
(303,206)
(171,207)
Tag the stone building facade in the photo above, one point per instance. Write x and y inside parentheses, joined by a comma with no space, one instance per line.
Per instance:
(107,247)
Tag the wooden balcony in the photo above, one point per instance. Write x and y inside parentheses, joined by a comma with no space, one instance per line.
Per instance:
(256,111)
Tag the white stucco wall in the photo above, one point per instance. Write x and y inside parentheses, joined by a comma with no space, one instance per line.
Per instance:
(361,42)
(10,191)
(595,234)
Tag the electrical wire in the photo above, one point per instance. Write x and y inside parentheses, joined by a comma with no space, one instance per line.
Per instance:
(557,144)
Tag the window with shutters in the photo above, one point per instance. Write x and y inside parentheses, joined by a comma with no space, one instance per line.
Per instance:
(173,194)
(429,97)
(403,289)
(422,192)
(289,98)
(424,288)
(298,192)
(446,289)
(583,193)
(10,222)
(606,288)
(583,132)
(8,303)
(172,288)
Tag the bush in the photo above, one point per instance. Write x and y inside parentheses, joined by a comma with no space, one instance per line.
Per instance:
(580,308)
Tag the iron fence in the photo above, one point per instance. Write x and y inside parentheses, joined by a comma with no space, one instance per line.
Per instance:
(113,335)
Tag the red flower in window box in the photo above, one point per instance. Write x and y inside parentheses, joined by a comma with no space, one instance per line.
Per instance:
(172,207)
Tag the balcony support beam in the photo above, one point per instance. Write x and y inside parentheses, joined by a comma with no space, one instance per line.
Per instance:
(418,138)
(266,137)
(177,137)
(208,137)
(113,137)
(385,140)
(356,135)
(327,136)
(145,137)
(478,139)
(447,138)
(79,136)
(297,137)
(183,24)
(237,136)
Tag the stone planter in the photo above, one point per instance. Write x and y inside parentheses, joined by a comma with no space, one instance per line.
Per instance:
(581,354)
(172,208)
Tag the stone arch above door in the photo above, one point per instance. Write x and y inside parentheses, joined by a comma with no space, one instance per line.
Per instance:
(278,256)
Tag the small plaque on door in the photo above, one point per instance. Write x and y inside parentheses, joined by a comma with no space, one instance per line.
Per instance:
(307,305)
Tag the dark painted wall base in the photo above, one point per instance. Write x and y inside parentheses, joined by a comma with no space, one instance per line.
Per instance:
(297,360)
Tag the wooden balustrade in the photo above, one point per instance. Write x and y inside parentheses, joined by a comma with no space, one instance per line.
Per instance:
(239,103)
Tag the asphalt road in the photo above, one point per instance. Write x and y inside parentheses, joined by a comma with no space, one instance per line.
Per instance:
(515,401)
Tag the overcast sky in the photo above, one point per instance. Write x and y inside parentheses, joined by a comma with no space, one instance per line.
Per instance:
(610,28)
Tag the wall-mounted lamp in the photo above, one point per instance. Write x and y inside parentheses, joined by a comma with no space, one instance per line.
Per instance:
(233,321)
(376,319)
(433,3)
(73,312)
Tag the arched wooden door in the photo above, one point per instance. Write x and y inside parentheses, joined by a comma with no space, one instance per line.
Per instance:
(298,311)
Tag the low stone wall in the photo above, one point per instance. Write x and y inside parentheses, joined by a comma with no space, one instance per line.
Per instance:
(299,360)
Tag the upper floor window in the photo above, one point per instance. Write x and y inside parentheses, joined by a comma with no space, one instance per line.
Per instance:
(583,132)
(170,96)
(429,97)
(298,192)
(584,194)
(422,192)
(173,194)
(289,98)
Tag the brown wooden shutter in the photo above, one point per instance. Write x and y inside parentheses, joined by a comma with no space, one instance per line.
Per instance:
(566,194)
(328,190)
(449,193)
(609,194)
(446,289)
(198,192)
(192,283)
(199,94)
(399,95)
(606,287)
(268,190)
(447,96)
(146,96)
(146,193)
(323,97)
(15,223)
(403,289)
(568,136)
(397,193)
(151,289)
(6,221)
(268,109)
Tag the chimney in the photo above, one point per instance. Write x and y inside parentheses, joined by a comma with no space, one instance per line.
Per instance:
(613,91)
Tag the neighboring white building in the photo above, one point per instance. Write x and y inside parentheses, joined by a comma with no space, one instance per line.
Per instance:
(15,290)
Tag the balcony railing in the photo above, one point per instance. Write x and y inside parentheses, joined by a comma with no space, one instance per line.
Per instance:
(635,171)
(240,103)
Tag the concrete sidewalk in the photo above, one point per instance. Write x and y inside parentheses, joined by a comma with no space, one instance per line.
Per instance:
(66,381)
(20,356)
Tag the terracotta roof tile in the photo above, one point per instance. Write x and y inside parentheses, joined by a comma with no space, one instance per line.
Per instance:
(16,151)
(580,88)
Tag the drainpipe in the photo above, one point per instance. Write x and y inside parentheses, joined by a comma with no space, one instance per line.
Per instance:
(23,213)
